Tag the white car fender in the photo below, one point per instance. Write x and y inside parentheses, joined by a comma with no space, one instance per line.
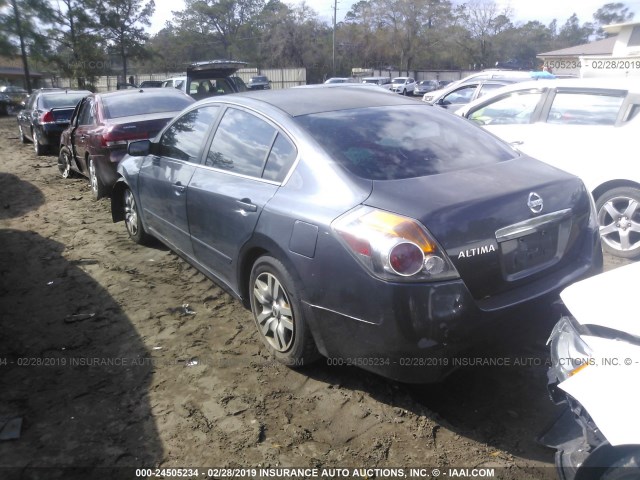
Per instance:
(609,387)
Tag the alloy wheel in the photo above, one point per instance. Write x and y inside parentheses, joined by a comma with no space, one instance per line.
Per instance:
(64,165)
(273,312)
(130,213)
(93,177)
(619,220)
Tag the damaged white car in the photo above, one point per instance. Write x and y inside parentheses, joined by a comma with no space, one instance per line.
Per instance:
(595,354)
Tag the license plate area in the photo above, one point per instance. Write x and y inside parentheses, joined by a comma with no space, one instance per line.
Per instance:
(531,246)
(529,251)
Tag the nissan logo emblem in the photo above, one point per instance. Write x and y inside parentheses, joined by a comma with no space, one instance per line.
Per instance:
(535,202)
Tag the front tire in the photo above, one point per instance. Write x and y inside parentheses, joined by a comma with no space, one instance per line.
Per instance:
(277,311)
(97,187)
(619,219)
(132,220)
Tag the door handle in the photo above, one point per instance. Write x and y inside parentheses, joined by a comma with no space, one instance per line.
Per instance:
(516,143)
(179,188)
(247,206)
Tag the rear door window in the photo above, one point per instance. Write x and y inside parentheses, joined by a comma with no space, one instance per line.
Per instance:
(280,160)
(86,115)
(241,143)
(579,108)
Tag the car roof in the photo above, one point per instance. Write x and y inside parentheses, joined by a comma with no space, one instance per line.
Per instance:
(63,90)
(140,91)
(304,101)
(628,84)
(621,84)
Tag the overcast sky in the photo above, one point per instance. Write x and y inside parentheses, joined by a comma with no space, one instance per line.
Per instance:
(523,10)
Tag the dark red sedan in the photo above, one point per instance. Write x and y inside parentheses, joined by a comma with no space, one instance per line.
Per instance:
(103,124)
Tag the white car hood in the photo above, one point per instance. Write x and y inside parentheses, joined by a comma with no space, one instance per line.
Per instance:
(609,389)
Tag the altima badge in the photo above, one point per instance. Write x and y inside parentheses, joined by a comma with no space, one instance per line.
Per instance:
(535,202)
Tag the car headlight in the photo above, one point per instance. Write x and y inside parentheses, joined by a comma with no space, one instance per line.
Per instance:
(393,247)
(569,353)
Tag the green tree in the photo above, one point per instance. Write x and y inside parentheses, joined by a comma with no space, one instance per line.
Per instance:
(572,33)
(228,22)
(609,14)
(483,22)
(123,24)
(78,50)
(20,24)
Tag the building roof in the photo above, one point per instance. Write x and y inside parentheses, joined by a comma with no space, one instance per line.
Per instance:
(17,72)
(599,47)
(617,28)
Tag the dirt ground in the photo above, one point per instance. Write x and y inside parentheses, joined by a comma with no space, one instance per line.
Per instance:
(118,355)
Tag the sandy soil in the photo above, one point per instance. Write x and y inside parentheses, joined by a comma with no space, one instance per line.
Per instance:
(113,354)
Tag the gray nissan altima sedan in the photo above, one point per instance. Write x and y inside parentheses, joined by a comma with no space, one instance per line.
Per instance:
(365,227)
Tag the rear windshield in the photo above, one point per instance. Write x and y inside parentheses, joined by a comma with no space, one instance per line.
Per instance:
(141,104)
(69,100)
(394,142)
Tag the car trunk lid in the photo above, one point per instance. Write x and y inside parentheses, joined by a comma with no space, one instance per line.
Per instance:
(487,219)
(119,131)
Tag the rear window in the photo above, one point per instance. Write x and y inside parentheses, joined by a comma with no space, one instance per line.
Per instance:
(63,100)
(389,143)
(141,104)
(585,108)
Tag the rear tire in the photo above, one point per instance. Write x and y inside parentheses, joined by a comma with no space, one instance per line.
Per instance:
(278,314)
(23,139)
(64,163)
(39,148)
(619,219)
(97,187)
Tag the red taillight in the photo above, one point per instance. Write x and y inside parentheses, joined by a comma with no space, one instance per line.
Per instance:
(114,137)
(359,245)
(406,258)
(47,117)
(393,247)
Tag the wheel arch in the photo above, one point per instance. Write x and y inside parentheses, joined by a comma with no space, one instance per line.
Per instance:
(258,246)
(611,184)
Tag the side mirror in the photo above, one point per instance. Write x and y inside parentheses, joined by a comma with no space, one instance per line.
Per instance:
(139,148)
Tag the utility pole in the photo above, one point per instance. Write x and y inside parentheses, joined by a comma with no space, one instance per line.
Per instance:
(335,13)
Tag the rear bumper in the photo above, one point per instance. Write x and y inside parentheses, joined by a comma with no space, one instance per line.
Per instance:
(416,333)
(50,133)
